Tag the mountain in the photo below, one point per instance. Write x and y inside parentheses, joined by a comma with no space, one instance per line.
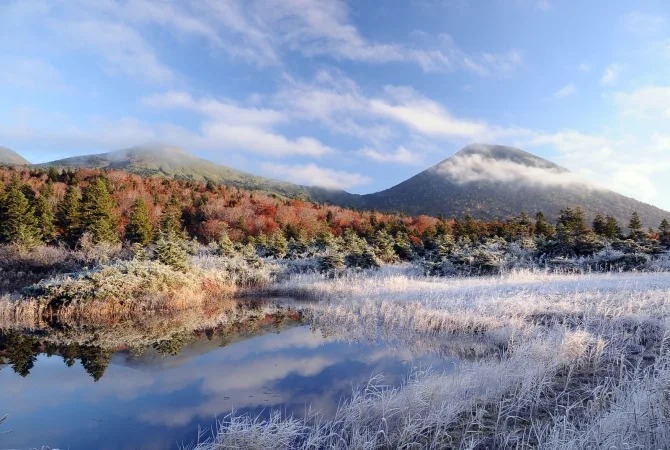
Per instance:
(173,162)
(496,182)
(484,181)
(9,157)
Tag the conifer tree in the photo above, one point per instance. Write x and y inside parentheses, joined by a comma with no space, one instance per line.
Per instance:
(600,225)
(97,212)
(542,226)
(18,224)
(171,222)
(139,229)
(635,227)
(225,246)
(664,232)
(383,247)
(171,252)
(612,228)
(45,219)
(67,217)
(277,245)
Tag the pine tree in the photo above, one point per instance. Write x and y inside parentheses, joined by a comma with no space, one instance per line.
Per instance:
(18,224)
(97,212)
(225,246)
(67,217)
(171,252)
(383,247)
(542,226)
(139,229)
(599,225)
(635,227)
(277,245)
(45,219)
(664,232)
(612,228)
(171,221)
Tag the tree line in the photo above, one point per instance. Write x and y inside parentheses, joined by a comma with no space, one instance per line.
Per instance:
(77,207)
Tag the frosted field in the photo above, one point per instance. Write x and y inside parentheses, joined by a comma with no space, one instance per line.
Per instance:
(548,361)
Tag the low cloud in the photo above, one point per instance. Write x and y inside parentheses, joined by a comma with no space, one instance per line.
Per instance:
(476,168)
(313,175)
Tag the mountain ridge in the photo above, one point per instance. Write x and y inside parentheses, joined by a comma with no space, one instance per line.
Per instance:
(11,158)
(481,180)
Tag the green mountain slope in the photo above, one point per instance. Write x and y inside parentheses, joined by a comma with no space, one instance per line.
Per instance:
(491,182)
(172,162)
(9,157)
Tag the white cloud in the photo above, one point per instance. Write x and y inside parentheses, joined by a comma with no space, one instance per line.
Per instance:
(476,167)
(33,74)
(610,75)
(643,23)
(650,102)
(122,47)
(224,110)
(584,67)
(313,175)
(565,91)
(406,106)
(400,156)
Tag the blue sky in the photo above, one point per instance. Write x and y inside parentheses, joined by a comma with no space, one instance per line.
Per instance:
(357,95)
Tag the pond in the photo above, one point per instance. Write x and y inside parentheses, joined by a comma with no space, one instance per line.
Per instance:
(83,396)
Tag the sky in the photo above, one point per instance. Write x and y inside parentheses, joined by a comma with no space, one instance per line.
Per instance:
(356,95)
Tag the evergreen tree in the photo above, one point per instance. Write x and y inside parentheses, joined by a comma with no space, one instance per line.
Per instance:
(67,217)
(225,246)
(97,212)
(612,228)
(45,219)
(542,226)
(139,229)
(18,223)
(383,247)
(599,225)
(171,219)
(635,227)
(664,232)
(403,246)
(171,252)
(277,245)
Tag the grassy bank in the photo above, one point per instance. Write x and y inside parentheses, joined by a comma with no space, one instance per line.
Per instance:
(114,291)
(573,362)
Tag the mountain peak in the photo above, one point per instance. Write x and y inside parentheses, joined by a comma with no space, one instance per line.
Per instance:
(11,158)
(152,152)
(502,153)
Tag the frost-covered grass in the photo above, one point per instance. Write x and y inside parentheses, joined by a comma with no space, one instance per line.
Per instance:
(563,361)
(132,288)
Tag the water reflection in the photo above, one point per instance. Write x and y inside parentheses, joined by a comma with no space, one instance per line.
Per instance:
(155,389)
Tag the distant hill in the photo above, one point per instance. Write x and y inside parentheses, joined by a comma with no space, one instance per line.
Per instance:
(496,182)
(173,162)
(484,181)
(9,157)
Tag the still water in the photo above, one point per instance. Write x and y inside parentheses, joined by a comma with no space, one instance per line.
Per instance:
(158,399)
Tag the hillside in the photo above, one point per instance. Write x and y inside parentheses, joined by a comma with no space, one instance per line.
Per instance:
(495,182)
(172,162)
(9,157)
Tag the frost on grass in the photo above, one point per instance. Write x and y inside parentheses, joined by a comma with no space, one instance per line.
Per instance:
(563,362)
